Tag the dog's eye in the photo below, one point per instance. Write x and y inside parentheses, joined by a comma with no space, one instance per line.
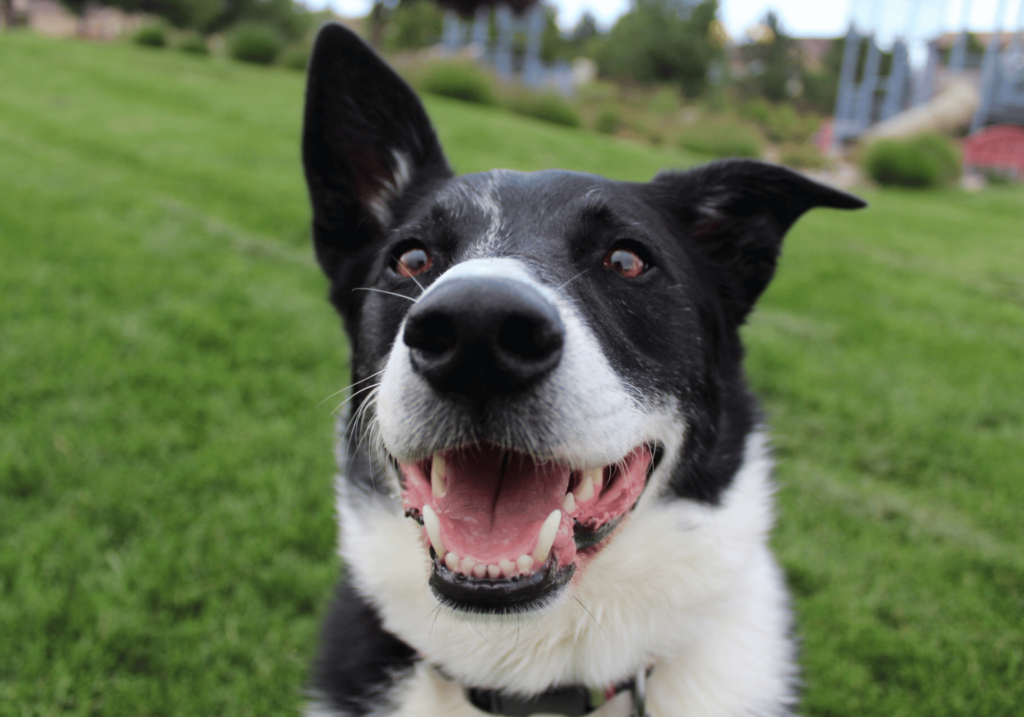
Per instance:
(626,262)
(413,262)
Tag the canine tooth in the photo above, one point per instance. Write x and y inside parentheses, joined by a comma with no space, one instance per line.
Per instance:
(547,536)
(451,560)
(591,482)
(433,526)
(467,565)
(508,568)
(524,563)
(569,504)
(493,572)
(438,471)
(479,570)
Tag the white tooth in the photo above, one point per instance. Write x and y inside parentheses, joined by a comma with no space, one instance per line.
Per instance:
(596,476)
(479,570)
(508,568)
(524,563)
(569,504)
(451,560)
(438,471)
(493,572)
(433,526)
(586,489)
(467,565)
(547,536)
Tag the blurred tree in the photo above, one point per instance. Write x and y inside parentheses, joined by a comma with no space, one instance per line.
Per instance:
(773,63)
(414,24)
(663,41)
(585,29)
(583,38)
(822,83)
(553,45)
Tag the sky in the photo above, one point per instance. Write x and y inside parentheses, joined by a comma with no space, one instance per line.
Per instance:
(803,18)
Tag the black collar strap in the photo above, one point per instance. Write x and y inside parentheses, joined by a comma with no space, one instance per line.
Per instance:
(574,701)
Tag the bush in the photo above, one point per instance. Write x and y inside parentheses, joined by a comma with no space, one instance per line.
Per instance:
(607,121)
(927,160)
(296,58)
(781,122)
(547,106)
(664,101)
(259,44)
(194,44)
(151,36)
(801,156)
(459,81)
(720,137)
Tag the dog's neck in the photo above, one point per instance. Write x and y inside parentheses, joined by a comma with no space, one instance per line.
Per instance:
(572,701)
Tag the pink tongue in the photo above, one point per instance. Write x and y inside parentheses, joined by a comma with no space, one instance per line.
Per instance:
(496,501)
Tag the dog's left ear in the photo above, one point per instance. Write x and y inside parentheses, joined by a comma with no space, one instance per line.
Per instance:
(366,143)
(734,214)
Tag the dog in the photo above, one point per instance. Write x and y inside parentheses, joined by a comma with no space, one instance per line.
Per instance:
(555,492)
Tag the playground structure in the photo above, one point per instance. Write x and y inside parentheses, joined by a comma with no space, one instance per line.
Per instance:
(952,89)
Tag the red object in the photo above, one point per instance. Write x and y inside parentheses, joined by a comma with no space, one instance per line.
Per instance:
(1000,146)
(823,137)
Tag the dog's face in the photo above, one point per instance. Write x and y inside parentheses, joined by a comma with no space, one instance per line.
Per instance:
(541,355)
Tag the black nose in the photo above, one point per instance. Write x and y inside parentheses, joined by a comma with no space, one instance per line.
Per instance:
(482,336)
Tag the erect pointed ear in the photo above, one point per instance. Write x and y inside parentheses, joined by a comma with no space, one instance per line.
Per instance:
(733,214)
(366,141)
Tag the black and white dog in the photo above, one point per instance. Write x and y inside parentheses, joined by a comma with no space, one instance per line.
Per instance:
(554,496)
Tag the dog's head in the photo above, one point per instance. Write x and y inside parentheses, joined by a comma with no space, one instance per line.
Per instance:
(546,350)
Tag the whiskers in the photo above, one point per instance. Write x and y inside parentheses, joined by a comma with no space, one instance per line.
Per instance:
(596,621)
(389,293)
(349,387)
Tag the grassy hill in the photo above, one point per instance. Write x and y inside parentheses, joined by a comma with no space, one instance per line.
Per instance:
(168,359)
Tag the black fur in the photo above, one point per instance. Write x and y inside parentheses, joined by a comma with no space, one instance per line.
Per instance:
(358,658)
(711,237)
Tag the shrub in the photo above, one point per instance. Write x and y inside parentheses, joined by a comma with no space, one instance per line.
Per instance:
(607,121)
(781,122)
(259,44)
(720,136)
(547,106)
(997,176)
(194,44)
(151,36)
(598,91)
(801,156)
(927,160)
(664,101)
(296,58)
(459,81)
(756,110)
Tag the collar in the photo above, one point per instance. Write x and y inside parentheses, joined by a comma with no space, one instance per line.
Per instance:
(571,701)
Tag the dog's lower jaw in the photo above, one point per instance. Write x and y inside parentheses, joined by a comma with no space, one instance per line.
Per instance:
(714,621)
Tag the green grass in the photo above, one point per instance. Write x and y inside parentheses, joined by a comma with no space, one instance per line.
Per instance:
(166,536)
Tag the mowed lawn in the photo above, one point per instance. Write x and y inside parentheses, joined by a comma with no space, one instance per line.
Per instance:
(168,363)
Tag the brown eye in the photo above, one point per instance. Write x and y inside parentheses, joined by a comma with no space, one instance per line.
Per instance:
(625,262)
(413,262)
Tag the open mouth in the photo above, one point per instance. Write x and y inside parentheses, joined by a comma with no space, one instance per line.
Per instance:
(505,530)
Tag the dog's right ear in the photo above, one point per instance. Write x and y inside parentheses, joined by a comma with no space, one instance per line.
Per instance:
(366,141)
